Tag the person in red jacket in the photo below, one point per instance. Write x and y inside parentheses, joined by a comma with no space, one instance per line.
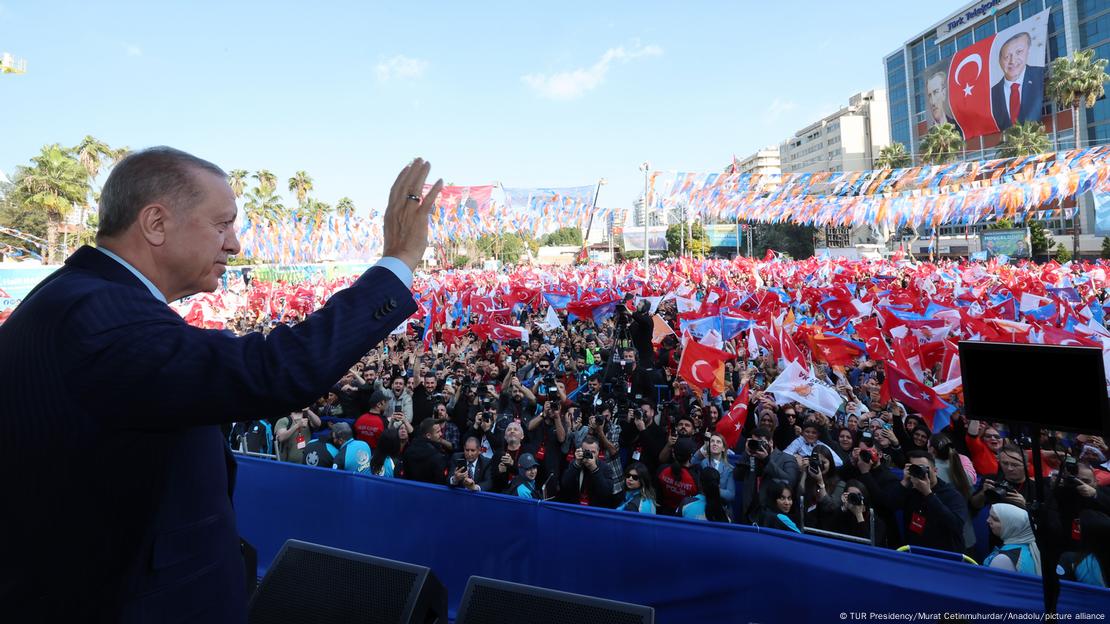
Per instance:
(369,426)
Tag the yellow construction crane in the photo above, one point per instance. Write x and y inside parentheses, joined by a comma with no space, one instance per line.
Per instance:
(11,65)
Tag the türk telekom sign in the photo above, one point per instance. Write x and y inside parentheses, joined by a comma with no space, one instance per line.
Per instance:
(966,17)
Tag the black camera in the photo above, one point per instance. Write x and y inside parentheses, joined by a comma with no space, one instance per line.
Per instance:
(438,398)
(1002,488)
(855,499)
(587,455)
(486,402)
(755,446)
(814,467)
(867,438)
(918,471)
(868,455)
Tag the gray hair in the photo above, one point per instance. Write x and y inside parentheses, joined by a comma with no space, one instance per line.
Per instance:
(145,177)
(341,431)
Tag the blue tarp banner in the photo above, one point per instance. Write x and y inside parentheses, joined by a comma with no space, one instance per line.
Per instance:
(689,571)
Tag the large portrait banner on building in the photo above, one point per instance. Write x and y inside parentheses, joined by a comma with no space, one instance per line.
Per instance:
(999,81)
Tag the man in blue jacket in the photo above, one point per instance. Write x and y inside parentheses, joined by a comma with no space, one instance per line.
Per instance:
(132,520)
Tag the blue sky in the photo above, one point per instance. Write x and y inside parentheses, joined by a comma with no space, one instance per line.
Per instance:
(504,92)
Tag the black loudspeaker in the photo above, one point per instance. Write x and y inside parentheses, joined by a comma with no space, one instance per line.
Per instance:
(490,601)
(1062,388)
(313,583)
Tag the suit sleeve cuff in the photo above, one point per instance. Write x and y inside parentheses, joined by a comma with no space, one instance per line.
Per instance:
(398,268)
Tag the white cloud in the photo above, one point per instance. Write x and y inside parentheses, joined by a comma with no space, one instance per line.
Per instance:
(400,66)
(568,85)
(133,50)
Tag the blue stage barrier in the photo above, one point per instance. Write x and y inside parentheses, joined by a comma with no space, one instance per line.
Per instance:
(687,570)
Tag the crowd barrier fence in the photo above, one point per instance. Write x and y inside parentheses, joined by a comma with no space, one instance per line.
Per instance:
(687,570)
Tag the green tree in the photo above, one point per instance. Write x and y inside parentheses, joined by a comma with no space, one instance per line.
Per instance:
(563,237)
(315,209)
(301,184)
(696,243)
(893,156)
(267,181)
(91,153)
(1076,81)
(53,185)
(1024,139)
(345,207)
(1001,224)
(942,144)
(237,180)
(792,239)
(264,205)
(1105,248)
(1061,254)
(1039,240)
(15,215)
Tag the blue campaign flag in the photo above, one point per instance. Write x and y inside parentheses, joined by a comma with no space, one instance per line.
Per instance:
(935,307)
(604,311)
(979,256)
(698,328)
(1042,313)
(782,294)
(905,316)
(730,327)
(1067,294)
(1097,312)
(556,300)
(855,343)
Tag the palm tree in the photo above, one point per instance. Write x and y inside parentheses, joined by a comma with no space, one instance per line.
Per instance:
(55,183)
(893,156)
(267,181)
(91,152)
(942,144)
(316,209)
(345,207)
(1071,82)
(1024,139)
(264,205)
(301,184)
(237,180)
(1075,81)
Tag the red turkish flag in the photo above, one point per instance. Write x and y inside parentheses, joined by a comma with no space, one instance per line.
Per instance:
(499,331)
(835,351)
(916,396)
(872,337)
(969,89)
(730,426)
(704,367)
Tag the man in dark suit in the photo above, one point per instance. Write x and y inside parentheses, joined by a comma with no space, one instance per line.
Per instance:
(1019,95)
(131,519)
(470,469)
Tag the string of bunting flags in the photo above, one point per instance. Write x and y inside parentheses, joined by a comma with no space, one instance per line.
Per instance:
(959,193)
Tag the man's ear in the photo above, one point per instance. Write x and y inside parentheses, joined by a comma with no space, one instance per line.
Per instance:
(152,221)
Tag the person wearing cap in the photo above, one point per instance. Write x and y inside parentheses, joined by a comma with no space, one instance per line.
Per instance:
(683,428)
(353,455)
(524,484)
(677,480)
(368,428)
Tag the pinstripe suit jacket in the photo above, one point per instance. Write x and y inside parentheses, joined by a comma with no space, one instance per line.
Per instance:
(116,477)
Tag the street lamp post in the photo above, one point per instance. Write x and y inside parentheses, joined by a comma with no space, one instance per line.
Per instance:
(646,168)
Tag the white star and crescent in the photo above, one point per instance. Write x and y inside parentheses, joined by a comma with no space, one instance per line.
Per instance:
(972,58)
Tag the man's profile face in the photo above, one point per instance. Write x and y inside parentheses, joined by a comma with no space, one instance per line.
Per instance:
(1012,57)
(199,238)
(937,93)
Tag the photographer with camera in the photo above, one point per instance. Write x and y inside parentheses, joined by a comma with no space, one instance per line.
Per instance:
(548,432)
(484,430)
(642,436)
(626,378)
(853,515)
(587,479)
(1010,485)
(933,512)
(602,426)
(1075,490)
(683,428)
(516,399)
(762,462)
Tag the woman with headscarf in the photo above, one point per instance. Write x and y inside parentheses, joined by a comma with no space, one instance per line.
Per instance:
(1018,552)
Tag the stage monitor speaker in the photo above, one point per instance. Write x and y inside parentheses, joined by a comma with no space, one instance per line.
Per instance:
(313,583)
(1062,388)
(490,601)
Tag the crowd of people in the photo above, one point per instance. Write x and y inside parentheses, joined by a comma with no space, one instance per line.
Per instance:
(564,384)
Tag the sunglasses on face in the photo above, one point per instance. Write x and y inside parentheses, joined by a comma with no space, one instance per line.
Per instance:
(633,476)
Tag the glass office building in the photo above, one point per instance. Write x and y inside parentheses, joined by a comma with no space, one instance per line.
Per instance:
(1072,25)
